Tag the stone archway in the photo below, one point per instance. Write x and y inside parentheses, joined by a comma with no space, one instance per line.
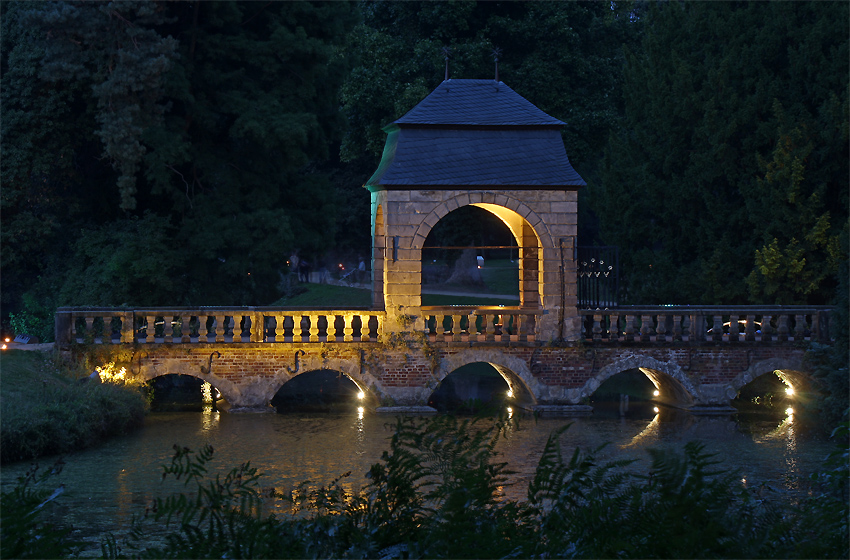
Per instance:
(525,387)
(674,386)
(228,390)
(518,218)
(791,372)
(365,382)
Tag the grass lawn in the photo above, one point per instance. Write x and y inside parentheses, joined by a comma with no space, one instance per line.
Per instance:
(47,411)
(343,297)
(327,295)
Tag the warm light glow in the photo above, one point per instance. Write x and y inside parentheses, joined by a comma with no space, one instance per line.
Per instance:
(743,481)
(206,392)
(361,395)
(8,339)
(108,374)
(789,390)
(655,409)
(4,347)
(789,411)
(510,394)
(656,392)
(360,411)
(510,410)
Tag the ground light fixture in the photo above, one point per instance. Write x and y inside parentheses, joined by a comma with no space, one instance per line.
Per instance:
(361,395)
(656,392)
(510,394)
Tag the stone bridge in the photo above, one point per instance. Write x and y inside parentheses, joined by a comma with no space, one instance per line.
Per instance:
(697,358)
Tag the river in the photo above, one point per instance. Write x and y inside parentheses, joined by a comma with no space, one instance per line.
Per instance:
(105,487)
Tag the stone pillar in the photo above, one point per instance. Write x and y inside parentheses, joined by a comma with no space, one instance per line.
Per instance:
(529,295)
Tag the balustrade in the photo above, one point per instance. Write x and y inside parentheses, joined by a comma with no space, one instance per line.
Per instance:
(479,324)
(215,325)
(686,324)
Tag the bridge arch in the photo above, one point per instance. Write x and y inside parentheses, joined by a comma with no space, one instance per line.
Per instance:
(514,371)
(226,388)
(791,371)
(365,382)
(674,386)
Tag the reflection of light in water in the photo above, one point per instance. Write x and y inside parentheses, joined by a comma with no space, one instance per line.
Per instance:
(206,392)
(510,412)
(651,430)
(510,394)
(785,432)
(655,409)
(360,411)
(210,417)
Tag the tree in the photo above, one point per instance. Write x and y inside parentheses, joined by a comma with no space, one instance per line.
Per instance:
(194,131)
(735,122)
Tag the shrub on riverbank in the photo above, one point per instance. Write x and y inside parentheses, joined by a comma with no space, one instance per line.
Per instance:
(47,409)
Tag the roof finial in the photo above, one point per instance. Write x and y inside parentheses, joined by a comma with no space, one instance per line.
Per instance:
(446,54)
(496,53)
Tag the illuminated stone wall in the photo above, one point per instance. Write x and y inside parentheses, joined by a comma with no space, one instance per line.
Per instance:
(405,373)
(544,221)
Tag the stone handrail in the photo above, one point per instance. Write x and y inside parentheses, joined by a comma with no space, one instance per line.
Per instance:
(192,325)
(706,324)
(479,323)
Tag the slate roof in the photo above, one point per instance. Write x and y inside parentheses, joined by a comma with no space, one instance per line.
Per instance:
(474,133)
(477,102)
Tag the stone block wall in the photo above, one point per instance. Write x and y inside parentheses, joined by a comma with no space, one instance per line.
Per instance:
(545,219)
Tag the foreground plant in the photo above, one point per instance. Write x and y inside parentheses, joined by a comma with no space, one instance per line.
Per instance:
(23,531)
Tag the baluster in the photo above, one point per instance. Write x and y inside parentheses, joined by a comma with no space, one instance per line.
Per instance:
(614,327)
(596,330)
(630,327)
(717,329)
(734,328)
(457,332)
(364,328)
(235,325)
(167,329)
(150,331)
(439,326)
(89,329)
(288,329)
(331,328)
(314,327)
(750,328)
(645,327)
(529,323)
(489,327)
(106,338)
(800,327)
(783,328)
(767,328)
(348,330)
(677,327)
(219,328)
(661,327)
(185,329)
